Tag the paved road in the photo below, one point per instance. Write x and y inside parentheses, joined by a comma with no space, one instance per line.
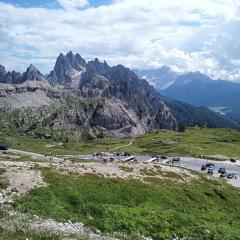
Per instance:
(196,163)
(189,163)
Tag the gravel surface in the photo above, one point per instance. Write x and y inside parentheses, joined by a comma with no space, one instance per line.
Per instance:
(186,162)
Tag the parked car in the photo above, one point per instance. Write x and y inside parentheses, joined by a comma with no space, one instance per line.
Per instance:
(155,156)
(211,168)
(230,176)
(210,164)
(204,167)
(176,159)
(223,175)
(4,147)
(221,170)
(164,157)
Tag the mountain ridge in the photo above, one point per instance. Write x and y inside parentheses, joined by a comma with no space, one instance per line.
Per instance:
(109,101)
(197,89)
(200,90)
(79,96)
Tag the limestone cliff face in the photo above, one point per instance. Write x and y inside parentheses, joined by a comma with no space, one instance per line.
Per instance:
(9,77)
(134,94)
(109,101)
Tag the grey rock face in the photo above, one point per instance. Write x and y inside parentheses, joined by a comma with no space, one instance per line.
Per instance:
(9,77)
(62,71)
(109,101)
(67,70)
(120,83)
(2,74)
(2,71)
(76,61)
(32,74)
(13,77)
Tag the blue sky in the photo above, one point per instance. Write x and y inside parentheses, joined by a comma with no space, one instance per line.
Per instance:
(187,35)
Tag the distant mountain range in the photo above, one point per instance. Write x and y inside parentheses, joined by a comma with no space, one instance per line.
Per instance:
(92,99)
(160,78)
(197,89)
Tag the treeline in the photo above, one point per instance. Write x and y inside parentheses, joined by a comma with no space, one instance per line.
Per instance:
(188,115)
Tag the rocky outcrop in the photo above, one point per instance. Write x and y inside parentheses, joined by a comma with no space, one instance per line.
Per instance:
(120,83)
(2,73)
(32,74)
(76,61)
(67,70)
(108,101)
(9,77)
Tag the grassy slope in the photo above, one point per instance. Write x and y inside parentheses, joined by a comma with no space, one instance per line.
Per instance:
(192,142)
(195,141)
(21,235)
(200,210)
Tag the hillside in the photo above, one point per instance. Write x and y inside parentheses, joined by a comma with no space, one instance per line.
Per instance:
(194,141)
(192,97)
(199,90)
(188,115)
(83,97)
(63,197)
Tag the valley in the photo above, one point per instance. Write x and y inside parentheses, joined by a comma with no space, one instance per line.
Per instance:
(119,120)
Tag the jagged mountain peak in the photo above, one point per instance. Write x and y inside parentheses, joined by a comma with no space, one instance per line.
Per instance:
(9,77)
(68,69)
(32,68)
(161,77)
(122,73)
(81,60)
(97,67)
(76,61)
(32,74)
(125,104)
(2,69)
(192,77)
(70,55)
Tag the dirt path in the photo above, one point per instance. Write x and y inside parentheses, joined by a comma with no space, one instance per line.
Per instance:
(34,156)
(129,144)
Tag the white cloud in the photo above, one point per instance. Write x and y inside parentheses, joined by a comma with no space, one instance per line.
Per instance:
(70,4)
(185,34)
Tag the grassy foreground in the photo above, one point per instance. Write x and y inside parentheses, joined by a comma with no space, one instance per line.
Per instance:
(21,235)
(199,210)
(193,142)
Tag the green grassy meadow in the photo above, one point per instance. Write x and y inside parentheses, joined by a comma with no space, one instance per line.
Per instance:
(194,141)
(198,210)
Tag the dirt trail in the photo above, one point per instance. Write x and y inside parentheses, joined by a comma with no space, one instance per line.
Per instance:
(34,156)
(129,144)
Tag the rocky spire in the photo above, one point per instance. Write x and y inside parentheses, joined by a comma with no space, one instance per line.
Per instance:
(32,74)
(9,77)
(68,69)
(97,67)
(76,61)
(2,74)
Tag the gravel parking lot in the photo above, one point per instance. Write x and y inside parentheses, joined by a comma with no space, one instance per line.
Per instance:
(187,162)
